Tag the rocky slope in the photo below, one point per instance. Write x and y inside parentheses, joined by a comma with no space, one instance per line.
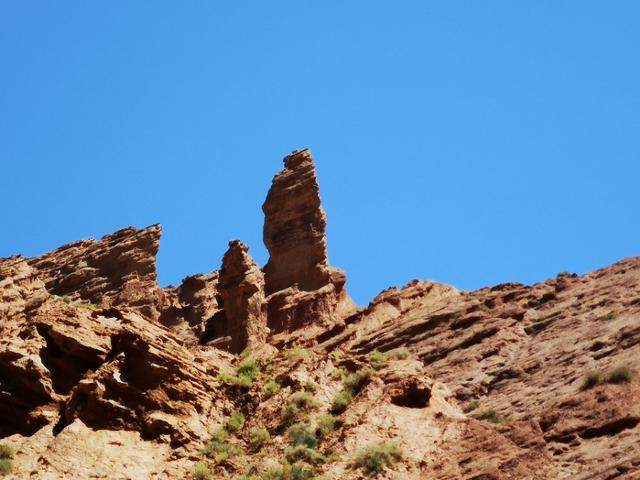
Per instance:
(260,374)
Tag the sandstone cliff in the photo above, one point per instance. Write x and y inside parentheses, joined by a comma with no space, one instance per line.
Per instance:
(263,374)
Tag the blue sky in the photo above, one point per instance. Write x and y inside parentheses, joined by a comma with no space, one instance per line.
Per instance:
(467,142)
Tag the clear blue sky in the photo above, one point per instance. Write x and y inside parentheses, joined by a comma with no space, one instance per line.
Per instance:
(467,142)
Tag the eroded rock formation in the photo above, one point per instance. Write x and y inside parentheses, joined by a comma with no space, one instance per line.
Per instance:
(303,287)
(119,269)
(242,295)
(105,375)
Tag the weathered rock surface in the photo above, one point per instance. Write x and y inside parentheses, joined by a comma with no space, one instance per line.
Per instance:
(119,269)
(524,351)
(242,294)
(105,375)
(303,287)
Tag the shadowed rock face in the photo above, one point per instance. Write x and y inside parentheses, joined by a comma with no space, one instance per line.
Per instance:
(242,295)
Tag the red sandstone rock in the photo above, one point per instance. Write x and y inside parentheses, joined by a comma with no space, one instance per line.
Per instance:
(102,376)
(303,287)
(119,269)
(241,287)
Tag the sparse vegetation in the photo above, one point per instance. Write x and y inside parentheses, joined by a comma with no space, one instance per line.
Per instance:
(300,402)
(247,371)
(296,471)
(335,355)
(373,459)
(6,458)
(327,423)
(235,422)
(220,447)
(621,374)
(339,373)
(302,433)
(270,388)
(310,386)
(248,368)
(607,317)
(258,438)
(471,406)
(296,353)
(304,454)
(201,471)
(354,382)
(591,379)
(401,353)
(490,416)
(377,359)
(341,401)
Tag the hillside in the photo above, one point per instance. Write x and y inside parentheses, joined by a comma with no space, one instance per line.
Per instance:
(269,373)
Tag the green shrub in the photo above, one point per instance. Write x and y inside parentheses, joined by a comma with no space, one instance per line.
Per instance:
(373,459)
(6,465)
(248,368)
(304,434)
(471,406)
(259,437)
(401,353)
(377,359)
(299,472)
(296,471)
(341,401)
(327,423)
(339,373)
(220,448)
(6,458)
(591,379)
(226,378)
(354,382)
(607,317)
(201,471)
(273,473)
(310,386)
(6,451)
(270,388)
(490,416)
(246,372)
(235,422)
(300,453)
(300,402)
(296,353)
(621,374)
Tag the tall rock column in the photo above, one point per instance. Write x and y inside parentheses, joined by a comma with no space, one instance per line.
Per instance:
(302,287)
(241,291)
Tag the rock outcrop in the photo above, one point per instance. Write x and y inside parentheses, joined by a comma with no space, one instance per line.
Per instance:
(302,287)
(242,296)
(110,367)
(119,269)
(523,353)
(105,375)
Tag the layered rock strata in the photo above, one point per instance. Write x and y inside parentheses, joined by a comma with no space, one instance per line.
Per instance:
(119,269)
(241,288)
(302,287)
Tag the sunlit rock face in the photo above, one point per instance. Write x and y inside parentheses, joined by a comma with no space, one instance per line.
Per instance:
(302,285)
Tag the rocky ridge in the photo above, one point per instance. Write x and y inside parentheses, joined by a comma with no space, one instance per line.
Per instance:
(104,374)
